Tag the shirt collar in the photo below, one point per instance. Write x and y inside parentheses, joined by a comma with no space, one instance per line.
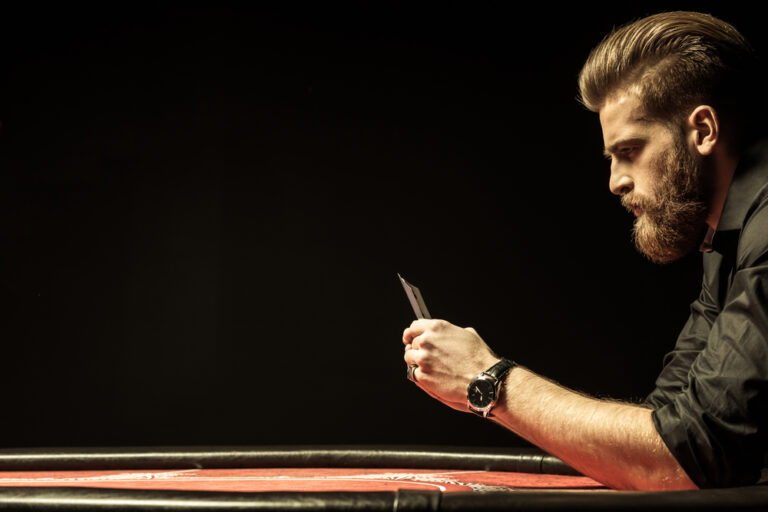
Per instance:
(750,176)
(706,244)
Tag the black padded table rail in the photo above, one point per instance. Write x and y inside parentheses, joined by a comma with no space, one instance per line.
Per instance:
(423,457)
(78,499)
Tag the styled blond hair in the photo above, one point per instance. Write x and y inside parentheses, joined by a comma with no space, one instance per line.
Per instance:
(673,61)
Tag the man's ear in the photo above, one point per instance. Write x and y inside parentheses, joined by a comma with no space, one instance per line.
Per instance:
(703,128)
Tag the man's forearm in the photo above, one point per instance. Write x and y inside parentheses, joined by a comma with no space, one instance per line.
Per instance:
(612,442)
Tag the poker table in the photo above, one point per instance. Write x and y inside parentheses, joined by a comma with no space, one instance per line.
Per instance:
(324,478)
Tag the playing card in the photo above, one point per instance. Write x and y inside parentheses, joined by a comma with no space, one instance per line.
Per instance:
(415,298)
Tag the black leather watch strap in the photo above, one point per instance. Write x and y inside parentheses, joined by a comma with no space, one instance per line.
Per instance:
(500,369)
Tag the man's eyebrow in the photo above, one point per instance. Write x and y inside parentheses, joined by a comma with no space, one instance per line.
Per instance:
(610,150)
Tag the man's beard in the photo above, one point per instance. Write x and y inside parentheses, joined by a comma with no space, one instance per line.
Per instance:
(672,223)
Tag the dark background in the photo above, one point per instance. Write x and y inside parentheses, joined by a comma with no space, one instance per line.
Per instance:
(202,212)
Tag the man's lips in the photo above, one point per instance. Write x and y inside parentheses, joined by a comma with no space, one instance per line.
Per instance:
(634,209)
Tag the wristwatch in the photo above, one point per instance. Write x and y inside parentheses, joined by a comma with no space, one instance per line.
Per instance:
(483,391)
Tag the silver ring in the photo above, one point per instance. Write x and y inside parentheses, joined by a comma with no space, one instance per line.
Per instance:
(410,372)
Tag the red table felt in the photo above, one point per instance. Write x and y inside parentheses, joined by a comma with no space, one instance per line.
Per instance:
(298,480)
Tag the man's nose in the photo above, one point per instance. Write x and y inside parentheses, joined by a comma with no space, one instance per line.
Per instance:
(620,183)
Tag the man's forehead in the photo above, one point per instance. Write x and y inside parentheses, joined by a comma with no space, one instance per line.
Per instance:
(623,107)
(620,114)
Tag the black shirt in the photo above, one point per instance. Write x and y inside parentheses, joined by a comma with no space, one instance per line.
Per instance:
(711,399)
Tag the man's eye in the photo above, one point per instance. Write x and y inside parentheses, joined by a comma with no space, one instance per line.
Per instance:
(627,152)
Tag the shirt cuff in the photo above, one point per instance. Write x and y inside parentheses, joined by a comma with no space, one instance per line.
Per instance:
(707,460)
(673,432)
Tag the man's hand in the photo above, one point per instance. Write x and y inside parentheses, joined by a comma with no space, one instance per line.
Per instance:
(448,358)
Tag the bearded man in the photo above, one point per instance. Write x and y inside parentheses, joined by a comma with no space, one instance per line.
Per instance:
(672,93)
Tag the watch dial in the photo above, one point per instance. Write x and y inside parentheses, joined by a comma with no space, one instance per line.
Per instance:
(481,393)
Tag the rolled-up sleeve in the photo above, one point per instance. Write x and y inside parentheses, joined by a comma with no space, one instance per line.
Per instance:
(716,424)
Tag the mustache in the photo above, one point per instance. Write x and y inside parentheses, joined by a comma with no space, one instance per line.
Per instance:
(633,200)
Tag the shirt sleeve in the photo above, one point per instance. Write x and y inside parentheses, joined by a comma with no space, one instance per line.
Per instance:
(715,424)
(690,342)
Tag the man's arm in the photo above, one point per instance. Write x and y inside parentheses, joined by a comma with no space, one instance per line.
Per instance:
(613,443)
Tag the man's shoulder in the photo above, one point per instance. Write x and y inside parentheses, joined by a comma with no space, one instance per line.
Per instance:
(746,207)
(753,241)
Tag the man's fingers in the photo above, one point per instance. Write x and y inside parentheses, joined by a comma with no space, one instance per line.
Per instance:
(413,357)
(418,327)
(411,337)
(422,323)
(421,376)
(408,335)
(415,374)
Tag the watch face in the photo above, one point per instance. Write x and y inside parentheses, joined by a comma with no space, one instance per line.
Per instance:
(481,393)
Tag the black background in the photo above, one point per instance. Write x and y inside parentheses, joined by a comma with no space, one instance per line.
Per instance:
(203,211)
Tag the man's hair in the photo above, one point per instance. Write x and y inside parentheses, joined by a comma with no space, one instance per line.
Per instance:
(673,61)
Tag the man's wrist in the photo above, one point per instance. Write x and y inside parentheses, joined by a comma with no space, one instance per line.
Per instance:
(485,389)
